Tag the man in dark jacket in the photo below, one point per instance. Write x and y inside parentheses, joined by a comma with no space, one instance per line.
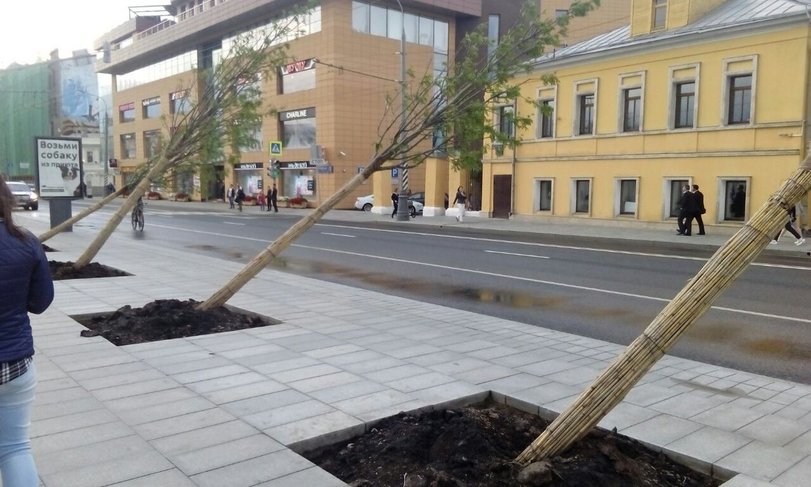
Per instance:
(273,197)
(687,205)
(698,210)
(25,287)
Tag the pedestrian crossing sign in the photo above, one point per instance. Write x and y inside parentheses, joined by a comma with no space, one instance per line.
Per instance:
(275,148)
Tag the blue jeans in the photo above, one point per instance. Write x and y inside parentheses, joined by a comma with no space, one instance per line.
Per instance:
(16,461)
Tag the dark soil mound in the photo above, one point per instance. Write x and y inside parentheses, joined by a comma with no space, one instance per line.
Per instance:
(65,270)
(475,447)
(166,319)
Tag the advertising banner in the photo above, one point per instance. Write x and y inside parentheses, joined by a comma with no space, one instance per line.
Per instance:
(59,167)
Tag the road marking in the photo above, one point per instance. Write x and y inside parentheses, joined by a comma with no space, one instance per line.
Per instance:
(495,274)
(517,255)
(225,222)
(565,247)
(338,235)
(552,283)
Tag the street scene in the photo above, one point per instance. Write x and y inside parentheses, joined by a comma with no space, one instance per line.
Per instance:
(407,243)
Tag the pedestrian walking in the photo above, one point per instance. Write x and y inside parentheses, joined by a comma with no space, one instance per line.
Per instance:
(240,197)
(459,201)
(261,199)
(698,203)
(789,227)
(273,196)
(231,196)
(26,287)
(395,199)
(686,211)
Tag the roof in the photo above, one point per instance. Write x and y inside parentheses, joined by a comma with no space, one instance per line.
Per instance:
(730,14)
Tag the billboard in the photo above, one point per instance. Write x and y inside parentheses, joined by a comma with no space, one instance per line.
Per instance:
(79,102)
(59,166)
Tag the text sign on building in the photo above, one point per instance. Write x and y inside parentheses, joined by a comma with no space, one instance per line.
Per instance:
(155,100)
(248,166)
(297,114)
(59,166)
(298,66)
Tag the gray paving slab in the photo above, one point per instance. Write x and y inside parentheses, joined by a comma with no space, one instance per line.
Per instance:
(255,471)
(760,460)
(311,476)
(224,454)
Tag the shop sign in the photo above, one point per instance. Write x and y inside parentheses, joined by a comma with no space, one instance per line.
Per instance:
(126,106)
(248,166)
(155,100)
(297,114)
(325,169)
(297,165)
(179,95)
(299,66)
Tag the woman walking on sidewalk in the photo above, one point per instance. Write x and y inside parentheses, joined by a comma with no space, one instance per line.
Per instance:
(26,286)
(459,201)
(792,217)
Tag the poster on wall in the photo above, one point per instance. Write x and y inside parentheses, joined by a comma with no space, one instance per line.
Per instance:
(59,166)
(79,100)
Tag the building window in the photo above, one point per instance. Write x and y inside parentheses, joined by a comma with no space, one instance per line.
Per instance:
(298,128)
(734,199)
(360,17)
(506,120)
(685,105)
(626,197)
(544,188)
(673,190)
(632,108)
(126,113)
(151,107)
(585,111)
(659,14)
(561,13)
(128,146)
(546,119)
(298,76)
(89,157)
(179,102)
(152,143)
(582,195)
(493,33)
(740,99)
(378,21)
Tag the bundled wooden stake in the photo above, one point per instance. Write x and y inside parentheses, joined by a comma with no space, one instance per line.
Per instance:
(729,262)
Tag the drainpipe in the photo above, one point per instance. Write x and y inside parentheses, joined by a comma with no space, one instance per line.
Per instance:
(512,163)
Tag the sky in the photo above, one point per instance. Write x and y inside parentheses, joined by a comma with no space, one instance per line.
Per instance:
(31,29)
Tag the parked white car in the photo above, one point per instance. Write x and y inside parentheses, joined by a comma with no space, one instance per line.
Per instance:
(366,203)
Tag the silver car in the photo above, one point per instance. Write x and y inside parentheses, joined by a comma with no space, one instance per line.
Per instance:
(24,197)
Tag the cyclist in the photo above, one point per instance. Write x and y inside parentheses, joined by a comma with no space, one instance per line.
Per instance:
(138,215)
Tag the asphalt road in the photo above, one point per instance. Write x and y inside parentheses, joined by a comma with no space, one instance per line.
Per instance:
(602,289)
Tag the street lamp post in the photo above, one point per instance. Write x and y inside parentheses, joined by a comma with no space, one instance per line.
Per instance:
(402,199)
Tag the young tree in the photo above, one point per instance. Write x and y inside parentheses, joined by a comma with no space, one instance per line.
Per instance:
(453,105)
(227,112)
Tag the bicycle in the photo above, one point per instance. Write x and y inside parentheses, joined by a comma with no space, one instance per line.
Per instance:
(138,216)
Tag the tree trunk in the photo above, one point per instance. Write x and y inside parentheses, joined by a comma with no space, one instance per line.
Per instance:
(87,211)
(140,189)
(264,257)
(729,262)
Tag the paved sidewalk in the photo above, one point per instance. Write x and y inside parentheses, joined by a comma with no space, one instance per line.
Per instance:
(233,409)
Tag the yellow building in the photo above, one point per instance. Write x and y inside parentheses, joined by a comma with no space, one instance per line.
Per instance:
(706,92)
